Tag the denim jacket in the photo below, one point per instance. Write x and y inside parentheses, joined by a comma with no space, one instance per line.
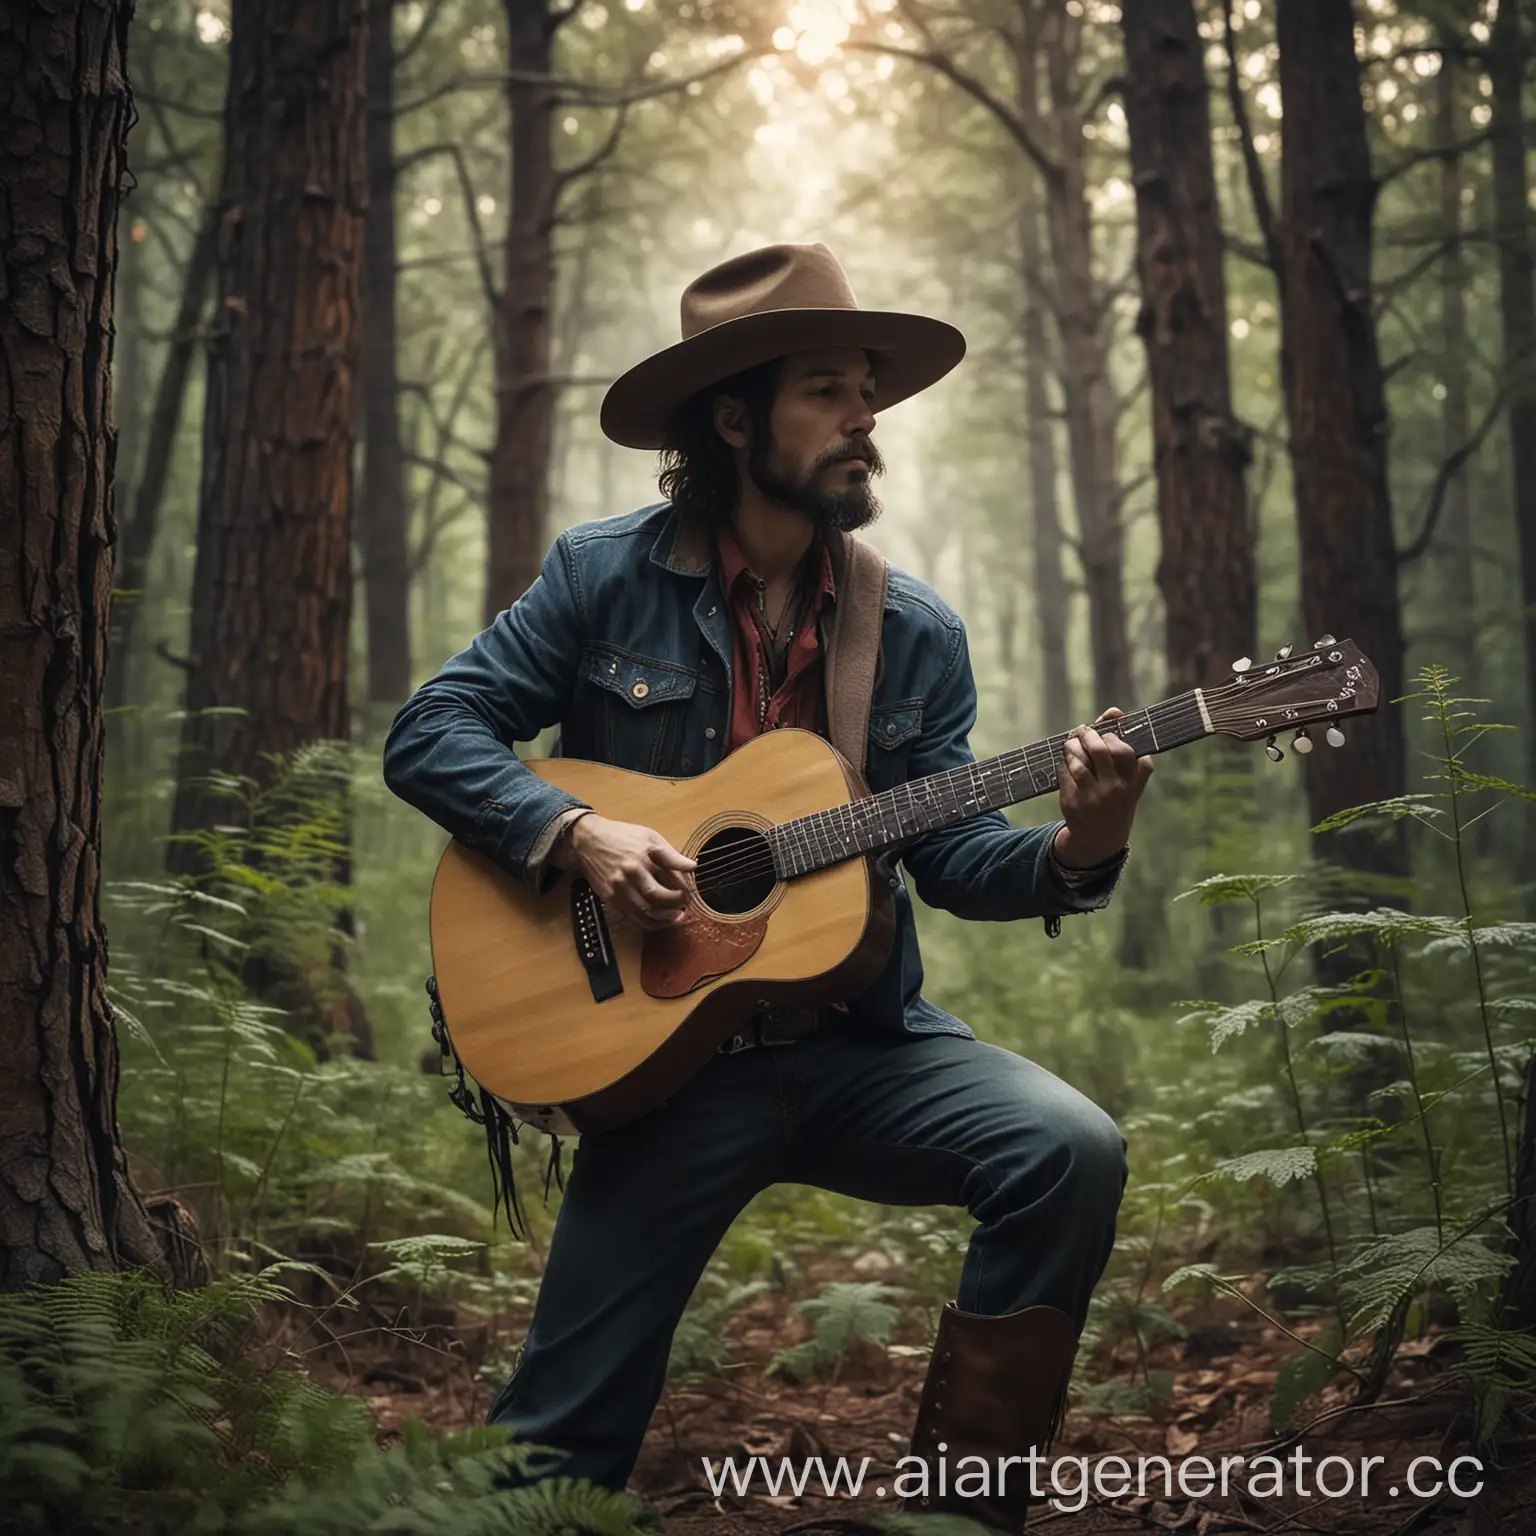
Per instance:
(624,641)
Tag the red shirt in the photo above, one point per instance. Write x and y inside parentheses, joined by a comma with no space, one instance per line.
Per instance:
(799,699)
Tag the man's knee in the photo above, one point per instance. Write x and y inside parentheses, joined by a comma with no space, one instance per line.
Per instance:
(1095,1153)
(1079,1152)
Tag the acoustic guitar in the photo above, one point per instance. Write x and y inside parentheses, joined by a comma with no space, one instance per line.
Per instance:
(577,1019)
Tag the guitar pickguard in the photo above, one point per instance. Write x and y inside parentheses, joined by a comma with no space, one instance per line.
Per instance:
(680,959)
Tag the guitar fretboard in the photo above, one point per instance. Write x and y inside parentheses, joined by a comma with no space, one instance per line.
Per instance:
(878,822)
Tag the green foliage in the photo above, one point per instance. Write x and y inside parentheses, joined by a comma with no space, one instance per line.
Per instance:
(1216,890)
(1388,1271)
(700,1345)
(123,1405)
(1499,1364)
(1392,1235)
(1279,1165)
(840,1314)
(1302,1375)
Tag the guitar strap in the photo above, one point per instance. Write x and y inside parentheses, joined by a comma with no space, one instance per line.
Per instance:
(853,655)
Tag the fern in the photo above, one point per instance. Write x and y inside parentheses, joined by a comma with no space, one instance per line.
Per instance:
(841,1314)
(1385,924)
(1499,1364)
(1218,889)
(1280,1165)
(1231,1023)
(699,1344)
(1389,1271)
(124,1406)
(423,1260)
(1302,1375)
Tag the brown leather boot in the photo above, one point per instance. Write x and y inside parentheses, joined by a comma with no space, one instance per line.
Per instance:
(996,1387)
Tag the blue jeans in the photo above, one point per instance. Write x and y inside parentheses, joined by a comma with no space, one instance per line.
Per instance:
(896,1118)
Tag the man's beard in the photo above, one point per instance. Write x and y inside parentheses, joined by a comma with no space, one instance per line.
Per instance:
(855,506)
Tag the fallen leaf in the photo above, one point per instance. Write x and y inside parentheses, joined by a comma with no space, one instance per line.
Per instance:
(1180,1442)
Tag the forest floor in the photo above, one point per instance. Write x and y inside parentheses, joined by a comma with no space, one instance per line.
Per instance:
(1224,1374)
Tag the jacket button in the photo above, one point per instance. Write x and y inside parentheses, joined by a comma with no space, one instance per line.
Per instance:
(709,733)
(640,690)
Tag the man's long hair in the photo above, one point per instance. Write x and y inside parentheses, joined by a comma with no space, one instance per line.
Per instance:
(698,468)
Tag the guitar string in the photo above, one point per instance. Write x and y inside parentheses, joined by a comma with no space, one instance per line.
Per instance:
(726,867)
(730,866)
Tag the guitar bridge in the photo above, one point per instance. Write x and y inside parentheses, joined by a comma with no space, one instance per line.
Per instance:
(594,944)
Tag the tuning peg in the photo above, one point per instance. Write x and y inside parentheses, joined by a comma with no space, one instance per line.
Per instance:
(1241,664)
(1282,653)
(1334,736)
(1301,742)
(1274,752)
(1317,645)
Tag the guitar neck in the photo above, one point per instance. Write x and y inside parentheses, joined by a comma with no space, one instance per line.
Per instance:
(879,822)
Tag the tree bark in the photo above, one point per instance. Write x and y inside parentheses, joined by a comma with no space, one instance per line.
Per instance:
(1458,567)
(1331,372)
(1082,320)
(271,593)
(1048,572)
(519,477)
(1206,568)
(1520,1287)
(1048,575)
(66,1200)
(1517,309)
(383,507)
(138,536)
(129,361)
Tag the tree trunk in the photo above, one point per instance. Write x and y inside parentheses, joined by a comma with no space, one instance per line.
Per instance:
(130,361)
(1048,576)
(519,479)
(1458,566)
(1334,403)
(1517,310)
(1083,320)
(272,585)
(575,322)
(1520,1287)
(66,1200)
(138,537)
(1206,569)
(383,507)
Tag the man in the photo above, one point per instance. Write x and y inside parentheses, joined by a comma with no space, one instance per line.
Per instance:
(661,641)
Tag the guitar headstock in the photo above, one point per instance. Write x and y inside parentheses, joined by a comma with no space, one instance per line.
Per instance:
(1324,684)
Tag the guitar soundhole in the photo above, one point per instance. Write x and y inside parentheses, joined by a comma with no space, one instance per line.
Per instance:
(735,870)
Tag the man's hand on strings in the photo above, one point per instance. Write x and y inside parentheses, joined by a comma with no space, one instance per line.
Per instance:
(636,872)
(1101,780)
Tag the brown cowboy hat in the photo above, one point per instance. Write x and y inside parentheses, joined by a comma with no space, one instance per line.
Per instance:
(767,304)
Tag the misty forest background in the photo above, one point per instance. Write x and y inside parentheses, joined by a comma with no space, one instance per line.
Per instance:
(1250,290)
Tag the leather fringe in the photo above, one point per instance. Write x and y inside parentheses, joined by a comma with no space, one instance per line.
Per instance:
(500,1138)
(553,1168)
(499,1127)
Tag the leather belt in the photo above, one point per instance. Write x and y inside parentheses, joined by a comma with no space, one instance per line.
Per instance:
(773,1026)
